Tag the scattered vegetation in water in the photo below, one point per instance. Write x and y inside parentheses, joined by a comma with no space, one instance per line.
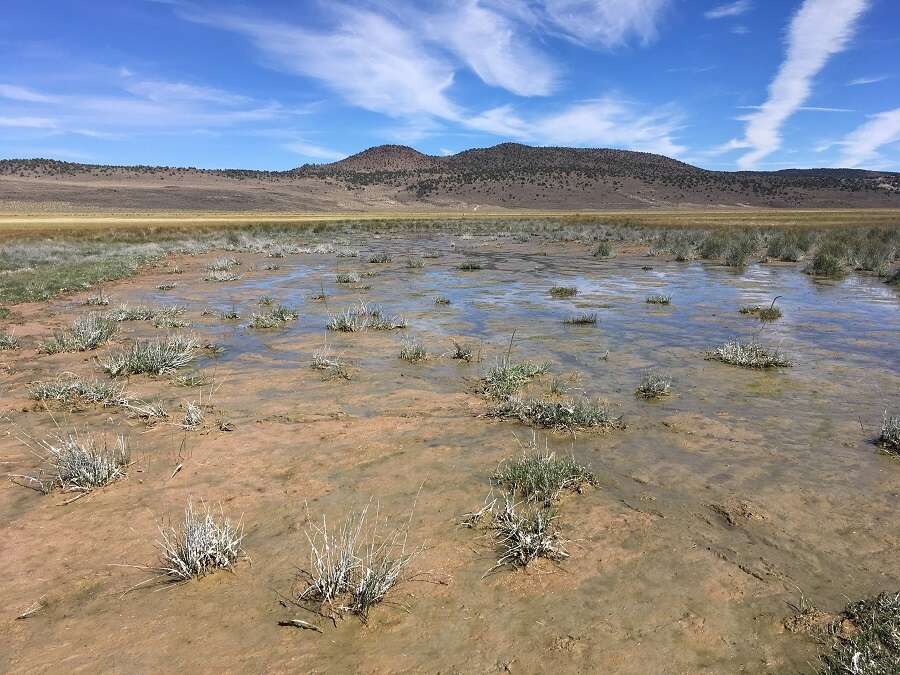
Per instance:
(326,360)
(748,355)
(364,317)
(739,249)
(553,413)
(889,438)
(441,300)
(523,533)
(507,377)
(659,299)
(99,300)
(582,319)
(161,356)
(87,333)
(654,386)
(414,263)
(347,278)
(827,262)
(469,266)
(222,275)
(411,350)
(193,415)
(790,245)
(78,463)
(380,258)
(265,301)
(166,314)
(563,291)
(273,318)
(222,264)
(462,352)
(542,476)
(168,286)
(355,565)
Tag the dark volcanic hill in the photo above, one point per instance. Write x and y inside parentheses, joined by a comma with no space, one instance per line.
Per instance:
(387,177)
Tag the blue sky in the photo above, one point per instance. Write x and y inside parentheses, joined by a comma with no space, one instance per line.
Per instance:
(754,84)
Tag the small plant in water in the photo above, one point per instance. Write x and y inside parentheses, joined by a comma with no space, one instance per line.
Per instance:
(347,278)
(325,359)
(507,377)
(469,266)
(563,291)
(441,300)
(222,275)
(659,299)
(80,464)
(461,352)
(584,318)
(872,646)
(362,317)
(569,415)
(412,351)
(200,546)
(748,355)
(193,415)
(87,333)
(889,438)
(8,341)
(222,264)
(265,300)
(273,318)
(415,263)
(542,477)
(603,250)
(353,567)
(155,357)
(98,300)
(168,286)
(524,533)
(654,386)
(380,258)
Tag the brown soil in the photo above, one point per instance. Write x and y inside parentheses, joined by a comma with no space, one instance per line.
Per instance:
(712,509)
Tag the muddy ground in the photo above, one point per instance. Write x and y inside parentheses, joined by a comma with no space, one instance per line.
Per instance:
(715,508)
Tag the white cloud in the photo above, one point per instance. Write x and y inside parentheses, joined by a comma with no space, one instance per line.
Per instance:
(729,9)
(804,108)
(368,60)
(819,29)
(604,122)
(606,23)
(312,151)
(494,48)
(860,147)
(159,90)
(867,80)
(16,93)
(26,122)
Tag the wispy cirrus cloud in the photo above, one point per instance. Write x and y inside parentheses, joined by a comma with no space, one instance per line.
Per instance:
(729,9)
(868,80)
(604,122)
(861,145)
(606,23)
(313,151)
(15,92)
(819,29)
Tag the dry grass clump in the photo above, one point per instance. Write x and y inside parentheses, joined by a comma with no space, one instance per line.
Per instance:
(563,291)
(273,318)
(415,263)
(98,300)
(363,317)
(79,464)
(654,386)
(507,377)
(462,352)
(827,262)
(347,278)
(748,355)
(441,300)
(522,532)
(603,250)
(8,341)
(167,286)
(790,245)
(380,258)
(413,351)
(325,359)
(87,333)
(222,275)
(658,299)
(155,357)
(569,415)
(764,314)
(222,264)
(889,438)
(69,388)
(584,318)
(265,301)
(542,476)
(193,415)
(353,567)
(740,248)
(346,253)
(469,266)
(167,315)
(872,647)
(200,546)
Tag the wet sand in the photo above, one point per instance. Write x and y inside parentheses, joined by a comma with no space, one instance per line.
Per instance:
(715,508)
